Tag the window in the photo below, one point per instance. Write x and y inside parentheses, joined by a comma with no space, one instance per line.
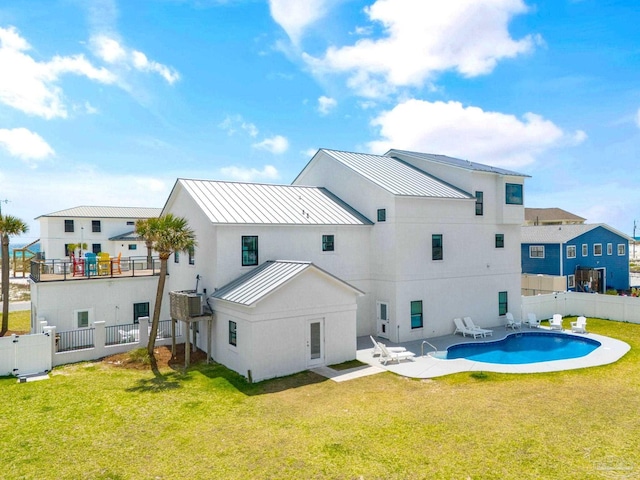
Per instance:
(585,250)
(95,226)
(503,304)
(382,214)
(140,310)
(436,247)
(132,246)
(621,249)
(499,240)
(597,249)
(249,251)
(176,257)
(514,194)
(192,256)
(571,281)
(327,243)
(131,222)
(609,248)
(416,314)
(66,250)
(83,318)
(68,226)
(571,251)
(536,251)
(233,333)
(96,248)
(479,203)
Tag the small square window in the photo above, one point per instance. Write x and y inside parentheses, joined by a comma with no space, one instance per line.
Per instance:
(514,194)
(585,250)
(622,249)
(68,226)
(327,243)
(571,281)
(436,247)
(233,340)
(95,226)
(479,203)
(96,248)
(140,310)
(609,248)
(536,251)
(597,249)
(132,246)
(416,314)
(499,240)
(131,222)
(571,251)
(83,318)
(382,214)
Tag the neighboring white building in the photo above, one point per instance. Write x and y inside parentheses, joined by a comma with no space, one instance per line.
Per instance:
(103,229)
(412,240)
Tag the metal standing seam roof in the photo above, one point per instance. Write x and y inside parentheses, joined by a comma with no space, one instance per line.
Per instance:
(253,203)
(397,176)
(560,233)
(106,212)
(263,280)
(127,237)
(456,162)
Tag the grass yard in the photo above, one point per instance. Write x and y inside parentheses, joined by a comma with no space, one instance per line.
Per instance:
(19,322)
(98,421)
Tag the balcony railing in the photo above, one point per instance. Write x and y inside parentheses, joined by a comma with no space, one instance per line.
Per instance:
(63,269)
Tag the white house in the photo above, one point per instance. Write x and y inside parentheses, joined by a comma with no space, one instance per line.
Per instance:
(103,229)
(395,245)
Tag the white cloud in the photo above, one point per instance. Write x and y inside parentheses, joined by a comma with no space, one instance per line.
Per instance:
(32,86)
(24,144)
(326,104)
(294,16)
(468,132)
(269,172)
(309,152)
(423,38)
(276,144)
(232,123)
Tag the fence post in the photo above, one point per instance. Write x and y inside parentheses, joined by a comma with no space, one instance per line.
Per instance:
(99,338)
(52,338)
(41,324)
(144,331)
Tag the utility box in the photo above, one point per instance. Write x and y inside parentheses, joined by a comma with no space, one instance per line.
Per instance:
(185,304)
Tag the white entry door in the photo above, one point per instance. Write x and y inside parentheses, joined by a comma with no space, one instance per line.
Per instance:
(315,342)
(383,319)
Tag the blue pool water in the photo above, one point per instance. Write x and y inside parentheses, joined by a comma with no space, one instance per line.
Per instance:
(526,347)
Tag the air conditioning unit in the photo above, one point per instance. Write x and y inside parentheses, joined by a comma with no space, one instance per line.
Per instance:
(185,304)
(195,304)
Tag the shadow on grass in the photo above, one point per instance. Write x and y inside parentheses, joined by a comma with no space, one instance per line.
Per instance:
(160,382)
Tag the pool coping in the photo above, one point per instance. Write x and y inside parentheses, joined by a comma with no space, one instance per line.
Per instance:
(610,351)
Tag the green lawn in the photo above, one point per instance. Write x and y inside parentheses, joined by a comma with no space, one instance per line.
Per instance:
(96,421)
(19,321)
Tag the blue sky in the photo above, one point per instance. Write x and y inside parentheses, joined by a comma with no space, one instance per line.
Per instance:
(107,102)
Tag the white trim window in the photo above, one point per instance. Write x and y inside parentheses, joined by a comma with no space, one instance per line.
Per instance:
(536,251)
(83,317)
(597,249)
(609,248)
(585,250)
(571,281)
(571,251)
(622,249)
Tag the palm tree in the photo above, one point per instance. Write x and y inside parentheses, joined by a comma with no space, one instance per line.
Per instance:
(166,234)
(9,225)
(142,228)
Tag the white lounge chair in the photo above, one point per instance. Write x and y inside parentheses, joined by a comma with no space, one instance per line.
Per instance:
(484,331)
(388,356)
(580,325)
(511,322)
(555,323)
(378,351)
(532,321)
(464,330)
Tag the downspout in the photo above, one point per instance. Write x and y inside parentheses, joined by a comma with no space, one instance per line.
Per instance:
(561,259)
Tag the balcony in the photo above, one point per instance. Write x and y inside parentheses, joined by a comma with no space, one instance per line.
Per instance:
(58,270)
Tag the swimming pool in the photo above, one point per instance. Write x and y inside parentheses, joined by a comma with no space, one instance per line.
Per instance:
(525,347)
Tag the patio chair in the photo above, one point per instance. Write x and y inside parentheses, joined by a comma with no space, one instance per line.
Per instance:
(90,264)
(511,322)
(387,356)
(484,331)
(104,263)
(555,323)
(580,325)
(532,321)
(378,351)
(115,265)
(78,266)
(464,330)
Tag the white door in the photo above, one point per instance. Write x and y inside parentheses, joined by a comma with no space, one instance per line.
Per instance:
(383,319)
(315,342)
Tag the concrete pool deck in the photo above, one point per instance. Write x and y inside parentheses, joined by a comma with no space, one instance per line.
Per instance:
(426,366)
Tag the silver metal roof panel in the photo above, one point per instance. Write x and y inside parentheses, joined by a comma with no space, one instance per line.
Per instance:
(561,233)
(106,212)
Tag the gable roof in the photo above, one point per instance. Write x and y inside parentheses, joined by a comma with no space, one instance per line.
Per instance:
(106,212)
(561,233)
(456,162)
(254,203)
(131,236)
(550,214)
(260,282)
(396,176)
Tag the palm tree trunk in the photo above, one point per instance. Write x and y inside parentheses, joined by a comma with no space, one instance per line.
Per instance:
(158,305)
(5,284)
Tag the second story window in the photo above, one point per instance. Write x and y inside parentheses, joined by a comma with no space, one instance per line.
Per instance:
(536,251)
(95,226)
(436,247)
(249,251)
(382,214)
(513,194)
(327,243)
(176,257)
(68,226)
(499,240)
(571,251)
(192,256)
(479,203)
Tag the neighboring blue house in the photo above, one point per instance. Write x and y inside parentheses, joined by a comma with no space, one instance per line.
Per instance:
(593,258)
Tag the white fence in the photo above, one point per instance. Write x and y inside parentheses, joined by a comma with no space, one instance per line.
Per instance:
(613,307)
(26,354)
